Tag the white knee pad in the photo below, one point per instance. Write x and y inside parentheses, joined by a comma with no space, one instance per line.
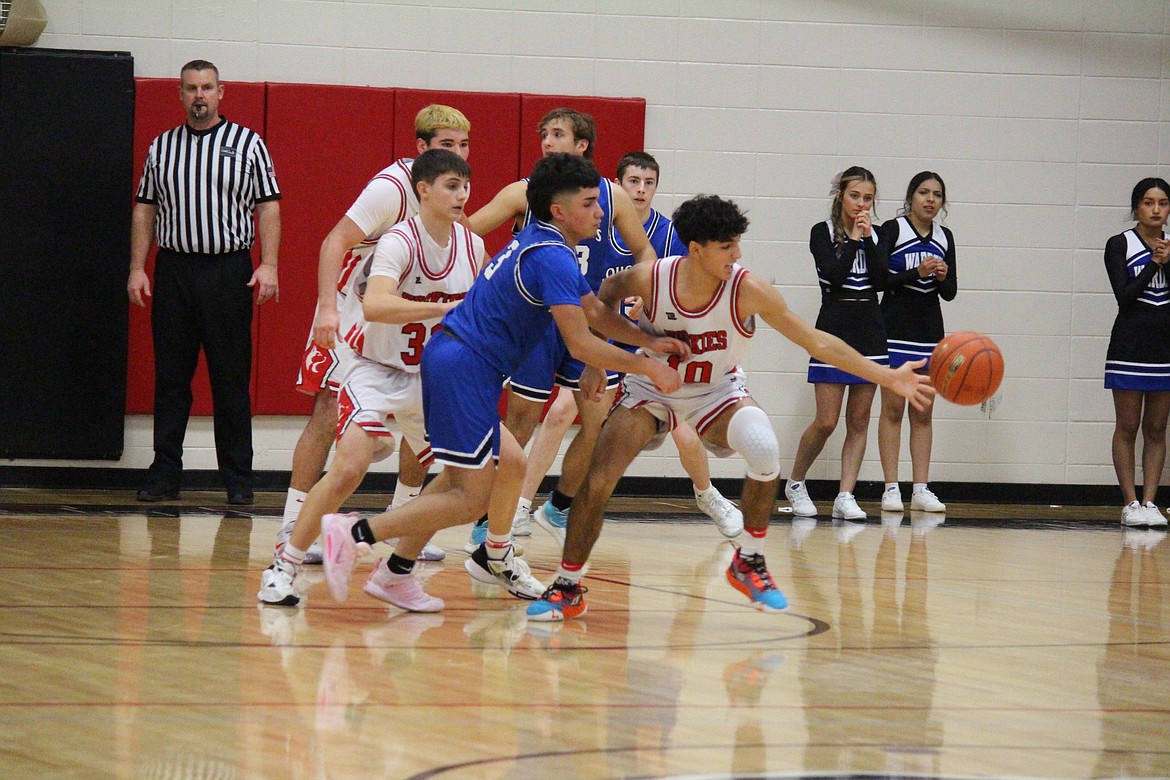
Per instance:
(751,435)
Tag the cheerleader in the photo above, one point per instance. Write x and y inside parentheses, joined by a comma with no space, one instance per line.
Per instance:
(851,268)
(1137,365)
(922,270)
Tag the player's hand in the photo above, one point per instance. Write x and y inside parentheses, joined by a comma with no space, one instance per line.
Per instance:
(863,225)
(914,387)
(633,307)
(325,326)
(665,378)
(664,345)
(138,286)
(1161,251)
(592,383)
(264,280)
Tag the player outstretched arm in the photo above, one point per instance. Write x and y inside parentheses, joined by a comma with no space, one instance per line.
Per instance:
(383,304)
(629,227)
(509,203)
(758,297)
(632,282)
(587,348)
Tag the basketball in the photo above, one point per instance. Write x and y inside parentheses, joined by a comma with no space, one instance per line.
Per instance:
(966,368)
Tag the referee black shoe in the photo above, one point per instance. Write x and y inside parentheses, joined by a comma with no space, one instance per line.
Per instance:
(158,491)
(240,497)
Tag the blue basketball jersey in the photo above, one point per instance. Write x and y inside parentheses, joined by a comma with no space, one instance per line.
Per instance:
(594,255)
(597,254)
(507,309)
(659,230)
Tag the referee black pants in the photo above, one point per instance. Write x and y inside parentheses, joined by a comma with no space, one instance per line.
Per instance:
(203,302)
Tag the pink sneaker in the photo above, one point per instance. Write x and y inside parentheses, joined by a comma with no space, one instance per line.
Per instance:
(340,552)
(401,590)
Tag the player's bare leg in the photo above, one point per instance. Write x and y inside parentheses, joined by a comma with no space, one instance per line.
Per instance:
(746,429)
(624,435)
(858,410)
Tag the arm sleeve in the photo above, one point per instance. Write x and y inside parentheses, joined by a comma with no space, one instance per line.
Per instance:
(1125,290)
(949,287)
(553,274)
(263,173)
(382,200)
(832,265)
(147,186)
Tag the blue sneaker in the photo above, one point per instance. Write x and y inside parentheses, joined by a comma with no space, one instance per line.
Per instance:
(560,602)
(749,575)
(552,520)
(478,536)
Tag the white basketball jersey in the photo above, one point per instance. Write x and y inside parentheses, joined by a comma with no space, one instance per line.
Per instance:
(717,337)
(387,199)
(424,271)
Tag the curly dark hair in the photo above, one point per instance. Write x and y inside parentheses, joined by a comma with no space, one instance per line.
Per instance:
(706,218)
(556,175)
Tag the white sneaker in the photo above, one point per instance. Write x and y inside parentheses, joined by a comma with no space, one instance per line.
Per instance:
(315,554)
(553,520)
(892,500)
(728,519)
(1134,514)
(925,501)
(522,522)
(845,508)
(1154,516)
(512,573)
(401,590)
(802,505)
(276,584)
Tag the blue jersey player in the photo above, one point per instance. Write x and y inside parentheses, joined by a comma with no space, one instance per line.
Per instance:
(532,283)
(550,363)
(638,176)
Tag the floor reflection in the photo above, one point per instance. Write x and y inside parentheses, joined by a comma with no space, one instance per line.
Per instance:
(1134,660)
(868,685)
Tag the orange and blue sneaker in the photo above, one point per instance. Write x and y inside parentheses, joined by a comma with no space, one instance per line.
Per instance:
(749,575)
(561,601)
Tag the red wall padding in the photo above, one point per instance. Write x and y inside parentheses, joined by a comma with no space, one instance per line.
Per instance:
(326,143)
(157,109)
(621,127)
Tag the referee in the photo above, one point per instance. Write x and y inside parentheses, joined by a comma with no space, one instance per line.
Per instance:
(200,186)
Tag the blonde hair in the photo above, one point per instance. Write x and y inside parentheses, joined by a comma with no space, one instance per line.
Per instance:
(436,117)
(841,183)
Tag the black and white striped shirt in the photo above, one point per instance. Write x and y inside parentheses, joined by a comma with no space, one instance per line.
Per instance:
(206,184)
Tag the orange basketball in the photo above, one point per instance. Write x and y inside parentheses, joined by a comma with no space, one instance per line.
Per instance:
(966,368)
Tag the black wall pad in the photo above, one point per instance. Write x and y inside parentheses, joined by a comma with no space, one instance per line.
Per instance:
(66,160)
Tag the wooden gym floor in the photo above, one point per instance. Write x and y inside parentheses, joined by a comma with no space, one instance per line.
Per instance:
(1008,641)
